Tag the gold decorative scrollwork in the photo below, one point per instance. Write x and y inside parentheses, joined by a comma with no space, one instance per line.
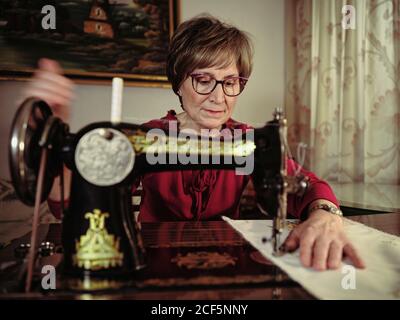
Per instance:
(97,249)
(204,260)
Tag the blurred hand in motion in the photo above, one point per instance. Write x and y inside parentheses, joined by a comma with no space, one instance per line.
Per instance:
(49,84)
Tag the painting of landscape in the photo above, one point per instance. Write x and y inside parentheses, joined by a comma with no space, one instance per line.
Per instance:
(92,39)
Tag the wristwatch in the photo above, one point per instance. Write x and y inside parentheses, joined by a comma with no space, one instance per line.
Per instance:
(326,207)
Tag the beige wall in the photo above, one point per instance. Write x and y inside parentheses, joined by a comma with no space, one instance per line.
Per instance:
(264,19)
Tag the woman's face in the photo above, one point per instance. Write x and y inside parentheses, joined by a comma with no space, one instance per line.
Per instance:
(209,111)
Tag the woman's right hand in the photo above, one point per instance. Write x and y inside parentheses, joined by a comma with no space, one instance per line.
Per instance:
(49,84)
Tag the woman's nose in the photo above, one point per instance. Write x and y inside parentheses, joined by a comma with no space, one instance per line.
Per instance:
(218,95)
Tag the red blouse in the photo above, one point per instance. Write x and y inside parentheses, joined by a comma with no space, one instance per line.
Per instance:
(210,193)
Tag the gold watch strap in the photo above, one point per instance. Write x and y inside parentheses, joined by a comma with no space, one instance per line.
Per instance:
(326,207)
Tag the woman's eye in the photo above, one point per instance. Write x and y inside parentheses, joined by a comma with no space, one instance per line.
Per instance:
(204,80)
(231,82)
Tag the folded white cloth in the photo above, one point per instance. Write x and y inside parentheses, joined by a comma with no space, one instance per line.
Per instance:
(379,250)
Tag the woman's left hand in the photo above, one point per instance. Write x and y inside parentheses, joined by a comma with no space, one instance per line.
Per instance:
(322,242)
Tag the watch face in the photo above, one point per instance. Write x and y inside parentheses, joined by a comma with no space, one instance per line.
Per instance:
(335,211)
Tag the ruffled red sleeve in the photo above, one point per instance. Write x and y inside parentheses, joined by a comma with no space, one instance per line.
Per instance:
(317,189)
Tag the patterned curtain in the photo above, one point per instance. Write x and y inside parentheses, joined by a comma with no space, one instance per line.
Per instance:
(343,88)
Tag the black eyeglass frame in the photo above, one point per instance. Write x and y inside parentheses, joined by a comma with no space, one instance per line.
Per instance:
(243,82)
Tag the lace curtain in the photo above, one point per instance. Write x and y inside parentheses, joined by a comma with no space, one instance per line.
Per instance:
(343,88)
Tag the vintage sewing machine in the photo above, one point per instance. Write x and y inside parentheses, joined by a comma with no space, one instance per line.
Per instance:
(100,237)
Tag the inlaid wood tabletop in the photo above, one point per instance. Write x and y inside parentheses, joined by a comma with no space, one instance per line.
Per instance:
(187,260)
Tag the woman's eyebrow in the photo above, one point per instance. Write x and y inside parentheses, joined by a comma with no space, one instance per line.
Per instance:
(203,73)
(231,76)
(212,75)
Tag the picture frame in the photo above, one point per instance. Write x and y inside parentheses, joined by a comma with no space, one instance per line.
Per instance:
(93,40)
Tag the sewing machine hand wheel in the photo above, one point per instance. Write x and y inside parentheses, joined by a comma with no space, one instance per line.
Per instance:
(33,128)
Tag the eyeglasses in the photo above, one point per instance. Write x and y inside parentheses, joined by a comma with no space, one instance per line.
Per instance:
(204,83)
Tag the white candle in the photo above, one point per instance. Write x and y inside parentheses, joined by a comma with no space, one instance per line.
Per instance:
(116,100)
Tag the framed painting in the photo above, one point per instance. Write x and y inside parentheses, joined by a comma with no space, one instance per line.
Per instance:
(93,40)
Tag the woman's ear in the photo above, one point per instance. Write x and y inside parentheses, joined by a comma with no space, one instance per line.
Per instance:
(179,92)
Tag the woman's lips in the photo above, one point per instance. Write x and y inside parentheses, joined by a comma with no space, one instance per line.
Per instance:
(213,112)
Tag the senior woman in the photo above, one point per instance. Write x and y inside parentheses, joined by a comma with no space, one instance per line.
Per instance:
(208,65)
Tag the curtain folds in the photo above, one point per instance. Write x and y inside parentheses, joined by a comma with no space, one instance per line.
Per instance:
(342,93)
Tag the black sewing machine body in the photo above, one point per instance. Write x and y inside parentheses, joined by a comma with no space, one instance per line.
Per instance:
(100,237)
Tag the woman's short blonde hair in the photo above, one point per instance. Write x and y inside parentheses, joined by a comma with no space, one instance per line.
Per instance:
(204,42)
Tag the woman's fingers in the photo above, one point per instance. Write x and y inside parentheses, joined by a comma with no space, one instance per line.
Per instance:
(49,84)
(353,255)
(50,65)
(306,246)
(335,255)
(48,96)
(38,90)
(292,241)
(54,78)
(58,103)
(320,253)
(322,244)
(52,88)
